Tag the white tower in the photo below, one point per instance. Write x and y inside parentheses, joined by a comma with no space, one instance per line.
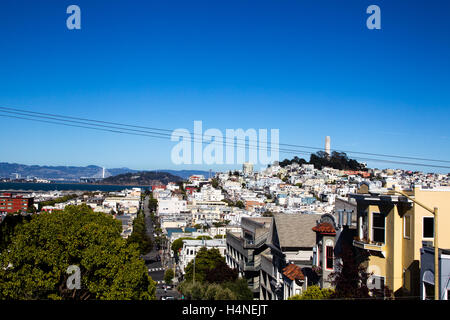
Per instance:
(327,145)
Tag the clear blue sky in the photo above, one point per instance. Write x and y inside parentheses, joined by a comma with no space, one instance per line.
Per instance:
(308,68)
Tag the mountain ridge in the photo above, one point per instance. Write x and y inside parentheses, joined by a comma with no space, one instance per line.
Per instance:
(74,173)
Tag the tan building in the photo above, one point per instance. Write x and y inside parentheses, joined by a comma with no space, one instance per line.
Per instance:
(391,228)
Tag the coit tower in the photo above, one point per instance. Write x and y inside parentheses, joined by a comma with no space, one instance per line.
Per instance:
(327,145)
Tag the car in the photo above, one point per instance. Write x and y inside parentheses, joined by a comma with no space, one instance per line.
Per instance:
(169,298)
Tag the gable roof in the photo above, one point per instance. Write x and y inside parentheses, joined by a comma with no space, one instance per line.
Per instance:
(295,230)
(293,272)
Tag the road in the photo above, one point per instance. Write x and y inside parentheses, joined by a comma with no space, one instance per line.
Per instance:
(156,269)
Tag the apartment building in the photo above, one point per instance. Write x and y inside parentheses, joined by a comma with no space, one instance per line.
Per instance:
(170,206)
(391,229)
(11,203)
(244,249)
(290,241)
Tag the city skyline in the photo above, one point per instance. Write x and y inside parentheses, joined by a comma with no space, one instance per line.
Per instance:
(309,70)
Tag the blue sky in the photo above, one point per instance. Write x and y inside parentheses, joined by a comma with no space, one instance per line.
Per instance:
(307,68)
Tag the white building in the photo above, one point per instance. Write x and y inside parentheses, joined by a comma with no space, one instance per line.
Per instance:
(247,168)
(191,247)
(171,205)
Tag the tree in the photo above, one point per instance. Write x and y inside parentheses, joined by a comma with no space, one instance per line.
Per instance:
(220,273)
(178,244)
(204,238)
(205,260)
(152,204)
(168,276)
(192,290)
(240,204)
(139,235)
(214,183)
(214,280)
(350,279)
(240,288)
(225,294)
(314,293)
(34,264)
(209,291)
(7,228)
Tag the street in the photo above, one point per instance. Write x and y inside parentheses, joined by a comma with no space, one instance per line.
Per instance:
(156,269)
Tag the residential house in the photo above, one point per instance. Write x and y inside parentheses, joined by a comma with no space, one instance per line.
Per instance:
(391,229)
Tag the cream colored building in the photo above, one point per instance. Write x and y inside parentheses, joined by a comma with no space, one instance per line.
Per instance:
(391,228)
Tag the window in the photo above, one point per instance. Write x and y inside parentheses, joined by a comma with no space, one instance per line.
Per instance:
(329,262)
(407,227)
(428,227)
(378,225)
(429,291)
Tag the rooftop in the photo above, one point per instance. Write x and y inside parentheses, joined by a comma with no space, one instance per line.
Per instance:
(295,230)
(293,272)
(325,228)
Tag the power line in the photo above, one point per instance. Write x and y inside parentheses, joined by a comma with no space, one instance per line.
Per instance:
(165,136)
(160,135)
(209,136)
(119,130)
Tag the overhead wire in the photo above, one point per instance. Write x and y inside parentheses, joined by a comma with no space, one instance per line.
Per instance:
(156,133)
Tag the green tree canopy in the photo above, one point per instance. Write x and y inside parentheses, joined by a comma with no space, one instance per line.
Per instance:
(215,183)
(314,293)
(351,277)
(140,236)
(168,276)
(178,244)
(34,264)
(240,204)
(204,238)
(214,280)
(205,260)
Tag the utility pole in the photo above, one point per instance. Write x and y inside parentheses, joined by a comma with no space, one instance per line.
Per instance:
(194,270)
(434,211)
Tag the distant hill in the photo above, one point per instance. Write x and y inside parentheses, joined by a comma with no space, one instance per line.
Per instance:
(48,172)
(187,173)
(142,178)
(73,173)
(337,160)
